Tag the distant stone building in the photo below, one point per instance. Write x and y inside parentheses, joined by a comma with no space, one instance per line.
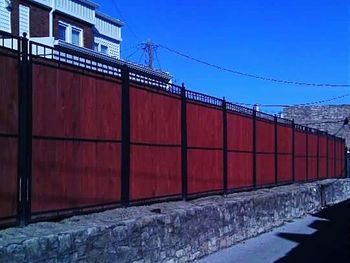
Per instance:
(328,118)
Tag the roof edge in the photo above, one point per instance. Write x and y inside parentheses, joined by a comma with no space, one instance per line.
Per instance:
(89,3)
(109,18)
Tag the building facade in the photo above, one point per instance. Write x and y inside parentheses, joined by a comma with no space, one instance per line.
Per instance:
(54,22)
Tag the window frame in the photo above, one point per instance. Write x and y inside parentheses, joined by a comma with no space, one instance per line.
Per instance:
(107,49)
(80,31)
(69,33)
(99,48)
(66,26)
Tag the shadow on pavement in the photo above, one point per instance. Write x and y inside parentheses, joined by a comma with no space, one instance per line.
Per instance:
(331,241)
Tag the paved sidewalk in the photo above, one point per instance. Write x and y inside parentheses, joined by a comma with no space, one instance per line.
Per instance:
(323,237)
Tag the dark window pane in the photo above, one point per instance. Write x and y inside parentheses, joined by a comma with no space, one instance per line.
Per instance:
(104,49)
(76,37)
(62,32)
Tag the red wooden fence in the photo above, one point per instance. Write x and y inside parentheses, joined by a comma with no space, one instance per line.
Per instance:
(205,144)
(8,135)
(68,108)
(155,143)
(88,116)
(300,156)
(285,153)
(265,152)
(240,151)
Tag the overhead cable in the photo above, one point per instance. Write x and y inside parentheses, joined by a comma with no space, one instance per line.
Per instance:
(122,17)
(252,75)
(301,104)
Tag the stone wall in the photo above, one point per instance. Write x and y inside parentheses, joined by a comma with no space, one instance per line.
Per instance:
(168,232)
(326,118)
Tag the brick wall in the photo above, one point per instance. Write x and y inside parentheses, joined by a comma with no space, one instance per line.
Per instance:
(88,35)
(327,118)
(39,27)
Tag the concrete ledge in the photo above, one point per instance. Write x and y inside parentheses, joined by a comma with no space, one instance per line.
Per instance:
(182,231)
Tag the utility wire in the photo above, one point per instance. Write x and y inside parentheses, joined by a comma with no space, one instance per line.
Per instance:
(301,104)
(122,17)
(142,55)
(322,101)
(160,67)
(133,53)
(252,75)
(130,47)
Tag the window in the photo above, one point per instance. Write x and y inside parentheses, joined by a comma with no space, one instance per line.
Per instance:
(62,32)
(76,36)
(70,34)
(96,47)
(104,49)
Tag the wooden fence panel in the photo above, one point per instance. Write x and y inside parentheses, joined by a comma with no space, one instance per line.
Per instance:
(300,156)
(9,71)
(77,139)
(205,144)
(265,153)
(285,153)
(240,151)
(155,144)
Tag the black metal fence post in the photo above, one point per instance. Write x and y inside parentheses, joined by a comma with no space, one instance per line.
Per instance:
(345,160)
(225,133)
(307,154)
(276,149)
(327,156)
(293,151)
(184,142)
(254,148)
(318,155)
(125,166)
(334,157)
(25,133)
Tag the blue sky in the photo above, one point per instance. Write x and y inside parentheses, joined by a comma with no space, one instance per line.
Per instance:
(299,40)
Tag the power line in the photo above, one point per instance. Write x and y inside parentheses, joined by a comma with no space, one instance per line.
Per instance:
(301,104)
(142,55)
(252,75)
(122,17)
(157,58)
(133,53)
(127,48)
(323,101)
